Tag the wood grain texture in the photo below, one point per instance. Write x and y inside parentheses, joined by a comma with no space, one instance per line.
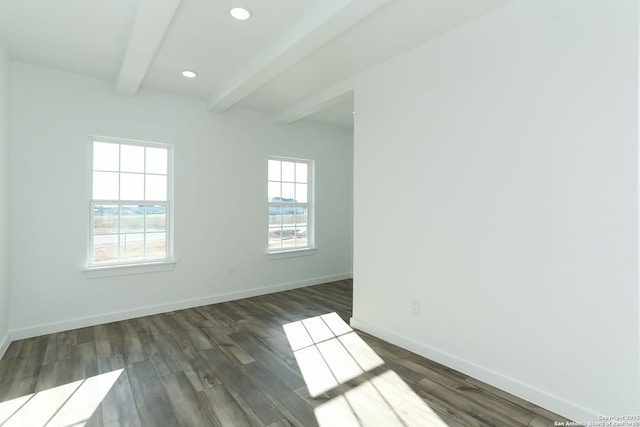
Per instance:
(247,363)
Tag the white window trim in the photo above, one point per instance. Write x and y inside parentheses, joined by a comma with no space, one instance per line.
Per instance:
(128,269)
(134,267)
(291,253)
(311,248)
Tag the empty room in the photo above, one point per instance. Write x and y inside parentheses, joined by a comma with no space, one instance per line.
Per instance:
(319,213)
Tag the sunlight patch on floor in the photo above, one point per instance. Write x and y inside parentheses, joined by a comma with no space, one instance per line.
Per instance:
(70,404)
(329,354)
(386,400)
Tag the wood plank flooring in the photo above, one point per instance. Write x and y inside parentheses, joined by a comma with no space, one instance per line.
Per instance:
(285,359)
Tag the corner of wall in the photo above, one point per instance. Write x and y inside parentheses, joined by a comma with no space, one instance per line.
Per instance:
(4,344)
(517,388)
(5,191)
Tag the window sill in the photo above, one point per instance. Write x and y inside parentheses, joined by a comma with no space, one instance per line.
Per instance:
(292,253)
(125,270)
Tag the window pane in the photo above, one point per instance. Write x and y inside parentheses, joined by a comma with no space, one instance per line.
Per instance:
(274,170)
(294,242)
(131,158)
(301,172)
(288,244)
(295,232)
(105,219)
(156,160)
(273,191)
(156,188)
(288,191)
(105,248)
(291,237)
(275,221)
(288,171)
(275,215)
(105,186)
(275,242)
(106,156)
(131,186)
(156,246)
(288,216)
(131,219)
(301,237)
(300,232)
(156,218)
(132,247)
(301,217)
(301,193)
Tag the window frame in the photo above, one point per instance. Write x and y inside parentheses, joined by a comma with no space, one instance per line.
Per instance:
(310,247)
(120,267)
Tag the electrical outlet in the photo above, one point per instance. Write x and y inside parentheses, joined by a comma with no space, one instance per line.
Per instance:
(232,271)
(415,307)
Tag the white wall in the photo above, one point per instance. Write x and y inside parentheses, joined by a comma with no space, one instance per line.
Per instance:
(496,183)
(220,201)
(4,199)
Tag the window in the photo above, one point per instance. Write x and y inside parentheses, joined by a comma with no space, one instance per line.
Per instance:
(131,187)
(290,190)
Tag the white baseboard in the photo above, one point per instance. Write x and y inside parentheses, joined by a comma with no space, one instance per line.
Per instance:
(66,325)
(4,344)
(524,391)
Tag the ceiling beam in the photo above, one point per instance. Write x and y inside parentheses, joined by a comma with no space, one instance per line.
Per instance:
(149,28)
(316,102)
(326,21)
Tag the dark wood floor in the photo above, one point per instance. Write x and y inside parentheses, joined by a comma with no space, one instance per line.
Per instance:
(276,360)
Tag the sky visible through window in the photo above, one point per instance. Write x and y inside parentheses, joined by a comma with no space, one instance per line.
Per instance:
(129,172)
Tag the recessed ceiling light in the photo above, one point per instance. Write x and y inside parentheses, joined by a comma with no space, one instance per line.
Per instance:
(240,13)
(189,74)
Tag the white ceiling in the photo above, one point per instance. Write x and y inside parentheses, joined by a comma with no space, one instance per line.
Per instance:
(295,59)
